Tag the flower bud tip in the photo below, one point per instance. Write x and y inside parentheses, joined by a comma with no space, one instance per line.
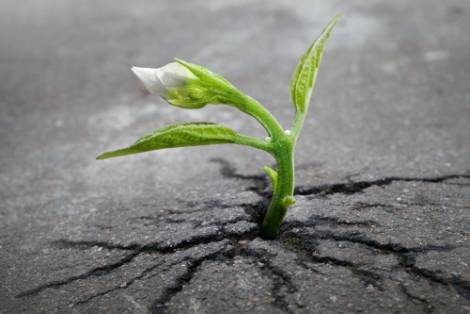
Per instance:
(148,77)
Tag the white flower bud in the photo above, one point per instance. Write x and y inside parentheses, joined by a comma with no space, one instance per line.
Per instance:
(166,79)
(177,84)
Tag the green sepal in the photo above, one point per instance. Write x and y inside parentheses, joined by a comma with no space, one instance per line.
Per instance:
(191,97)
(210,79)
(178,135)
(305,73)
(272,174)
(223,91)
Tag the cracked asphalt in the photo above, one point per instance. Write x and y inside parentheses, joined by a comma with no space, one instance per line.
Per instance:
(381,223)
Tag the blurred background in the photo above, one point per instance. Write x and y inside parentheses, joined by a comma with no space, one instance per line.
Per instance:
(392,96)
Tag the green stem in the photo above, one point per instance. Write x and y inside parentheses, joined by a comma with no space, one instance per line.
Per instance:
(253,142)
(253,108)
(283,152)
(260,113)
(281,147)
(298,123)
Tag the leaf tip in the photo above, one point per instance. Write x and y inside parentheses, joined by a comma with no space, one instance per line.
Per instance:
(102,156)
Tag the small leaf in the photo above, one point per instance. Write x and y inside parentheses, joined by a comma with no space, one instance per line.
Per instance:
(305,73)
(288,201)
(178,135)
(272,174)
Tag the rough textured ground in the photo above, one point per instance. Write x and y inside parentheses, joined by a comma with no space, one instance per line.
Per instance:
(383,163)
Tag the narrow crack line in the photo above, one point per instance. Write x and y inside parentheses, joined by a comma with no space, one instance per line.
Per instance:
(279,298)
(166,266)
(265,258)
(357,237)
(160,306)
(403,205)
(165,248)
(429,308)
(390,247)
(122,286)
(406,257)
(457,183)
(103,227)
(366,276)
(95,272)
(359,186)
(407,262)
(418,204)
(279,277)
(183,245)
(363,205)
(83,245)
(134,249)
(317,220)
(460,285)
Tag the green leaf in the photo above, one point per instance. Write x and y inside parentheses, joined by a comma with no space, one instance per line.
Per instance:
(272,174)
(305,73)
(288,201)
(178,135)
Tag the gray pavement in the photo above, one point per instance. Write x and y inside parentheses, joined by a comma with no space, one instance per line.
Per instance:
(382,177)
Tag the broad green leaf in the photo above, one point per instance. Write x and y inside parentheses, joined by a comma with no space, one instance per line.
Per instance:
(305,73)
(178,135)
(272,174)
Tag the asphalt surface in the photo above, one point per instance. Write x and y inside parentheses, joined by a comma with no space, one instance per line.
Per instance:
(382,176)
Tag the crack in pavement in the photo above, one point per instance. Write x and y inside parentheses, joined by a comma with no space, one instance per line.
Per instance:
(356,237)
(429,308)
(135,250)
(359,186)
(460,285)
(95,272)
(352,236)
(368,277)
(279,277)
(122,286)
(160,305)
(405,254)
(84,245)
(317,220)
(146,248)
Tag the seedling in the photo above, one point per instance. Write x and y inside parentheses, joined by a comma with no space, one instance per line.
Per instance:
(192,86)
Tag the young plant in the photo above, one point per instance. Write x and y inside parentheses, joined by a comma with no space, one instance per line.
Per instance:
(192,86)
